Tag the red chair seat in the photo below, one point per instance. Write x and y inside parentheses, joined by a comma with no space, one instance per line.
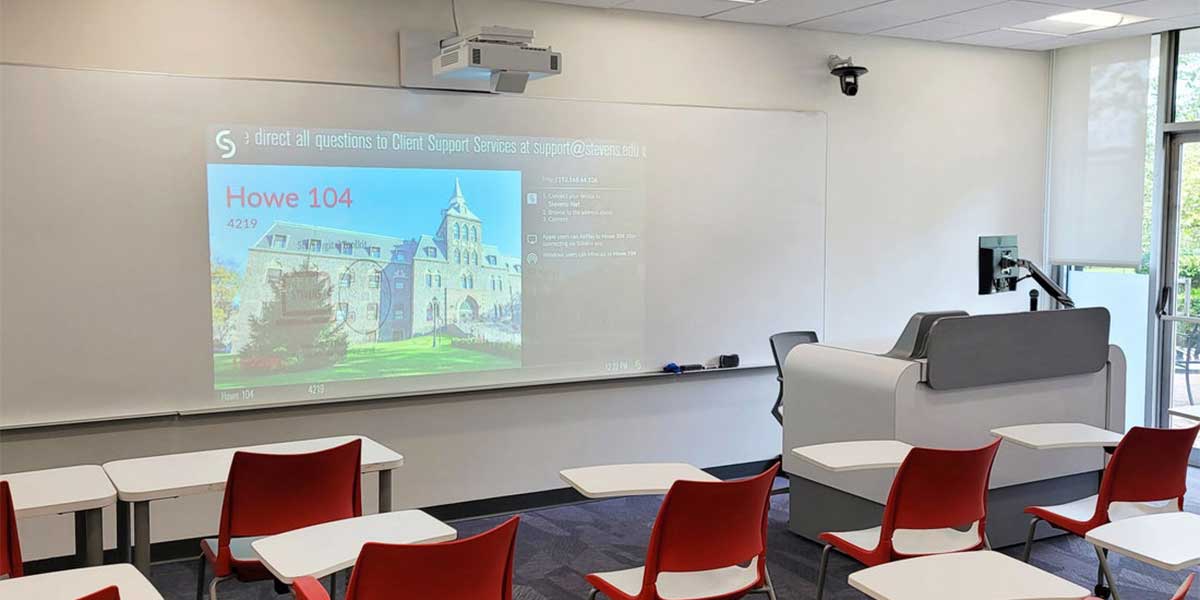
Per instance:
(1076,516)
(243,561)
(109,593)
(863,545)
(715,583)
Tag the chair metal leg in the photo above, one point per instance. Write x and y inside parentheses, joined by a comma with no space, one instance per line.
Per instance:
(200,577)
(1029,537)
(770,586)
(212,587)
(592,596)
(333,585)
(821,571)
(1107,573)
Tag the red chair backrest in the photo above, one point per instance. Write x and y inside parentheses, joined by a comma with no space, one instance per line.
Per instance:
(1181,593)
(109,593)
(476,568)
(267,494)
(10,546)
(1148,465)
(937,488)
(704,525)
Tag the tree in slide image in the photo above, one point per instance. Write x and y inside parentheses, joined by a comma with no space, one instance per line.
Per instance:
(225,283)
(296,330)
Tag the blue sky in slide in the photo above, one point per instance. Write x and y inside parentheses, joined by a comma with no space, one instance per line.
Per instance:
(404,203)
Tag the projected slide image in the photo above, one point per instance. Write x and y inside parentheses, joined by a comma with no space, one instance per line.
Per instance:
(325,274)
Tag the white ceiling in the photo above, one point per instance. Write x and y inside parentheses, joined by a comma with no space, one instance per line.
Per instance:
(978,22)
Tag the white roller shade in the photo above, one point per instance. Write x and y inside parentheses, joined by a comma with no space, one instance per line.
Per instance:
(1098,152)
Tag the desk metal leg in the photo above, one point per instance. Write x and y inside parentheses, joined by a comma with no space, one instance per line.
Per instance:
(94,537)
(385,491)
(141,536)
(122,531)
(1112,583)
(80,539)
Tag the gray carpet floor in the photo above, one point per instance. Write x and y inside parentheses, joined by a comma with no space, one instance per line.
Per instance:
(557,546)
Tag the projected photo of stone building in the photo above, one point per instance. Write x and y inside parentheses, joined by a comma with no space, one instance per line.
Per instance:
(390,288)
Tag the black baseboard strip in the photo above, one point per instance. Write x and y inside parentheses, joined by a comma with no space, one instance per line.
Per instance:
(190,548)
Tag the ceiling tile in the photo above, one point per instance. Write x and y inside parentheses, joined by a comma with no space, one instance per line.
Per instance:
(1159,9)
(890,14)
(1008,13)
(1086,3)
(999,37)
(934,29)
(691,8)
(1112,33)
(788,12)
(592,3)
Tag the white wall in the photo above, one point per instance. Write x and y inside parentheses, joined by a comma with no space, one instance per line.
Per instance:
(943,144)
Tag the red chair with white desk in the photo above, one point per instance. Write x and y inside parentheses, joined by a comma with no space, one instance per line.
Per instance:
(476,568)
(704,532)
(10,545)
(1147,474)
(935,492)
(267,494)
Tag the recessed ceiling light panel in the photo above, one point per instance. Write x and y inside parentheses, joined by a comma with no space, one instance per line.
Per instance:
(1077,21)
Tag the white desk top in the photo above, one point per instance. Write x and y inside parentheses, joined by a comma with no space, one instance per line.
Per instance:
(328,548)
(73,583)
(981,575)
(57,491)
(855,456)
(1187,412)
(638,479)
(172,475)
(1168,541)
(1052,436)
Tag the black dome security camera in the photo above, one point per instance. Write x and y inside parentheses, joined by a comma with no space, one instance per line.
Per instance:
(847,73)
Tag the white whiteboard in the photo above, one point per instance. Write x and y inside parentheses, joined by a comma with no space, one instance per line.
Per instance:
(104,305)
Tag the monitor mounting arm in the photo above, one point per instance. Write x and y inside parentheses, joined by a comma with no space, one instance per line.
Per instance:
(1041,278)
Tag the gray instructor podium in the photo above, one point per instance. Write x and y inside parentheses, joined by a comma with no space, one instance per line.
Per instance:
(950,380)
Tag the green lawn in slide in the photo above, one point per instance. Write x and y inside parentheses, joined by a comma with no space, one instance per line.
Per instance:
(414,356)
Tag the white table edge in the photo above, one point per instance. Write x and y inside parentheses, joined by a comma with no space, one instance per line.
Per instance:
(863,466)
(1142,558)
(287,580)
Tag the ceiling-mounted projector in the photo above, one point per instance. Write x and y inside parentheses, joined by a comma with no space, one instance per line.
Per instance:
(502,55)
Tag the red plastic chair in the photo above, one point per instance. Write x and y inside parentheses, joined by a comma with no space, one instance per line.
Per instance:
(704,532)
(1180,594)
(935,492)
(10,545)
(1147,474)
(477,568)
(267,494)
(109,593)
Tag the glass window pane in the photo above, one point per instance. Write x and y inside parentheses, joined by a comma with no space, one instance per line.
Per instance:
(1187,77)
(1126,295)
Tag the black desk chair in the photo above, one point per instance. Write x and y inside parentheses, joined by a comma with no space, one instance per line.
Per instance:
(781,344)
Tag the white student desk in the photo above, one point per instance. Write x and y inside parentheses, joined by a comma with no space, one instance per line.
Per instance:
(1058,436)
(981,575)
(83,490)
(841,457)
(327,548)
(73,583)
(1186,412)
(638,479)
(1169,541)
(142,480)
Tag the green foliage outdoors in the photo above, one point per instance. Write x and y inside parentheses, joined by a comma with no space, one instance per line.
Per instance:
(414,356)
